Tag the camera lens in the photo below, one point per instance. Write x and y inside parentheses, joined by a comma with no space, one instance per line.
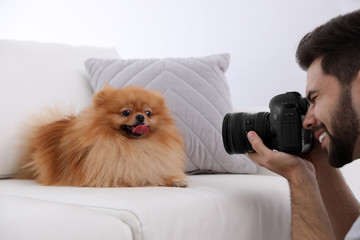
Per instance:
(237,125)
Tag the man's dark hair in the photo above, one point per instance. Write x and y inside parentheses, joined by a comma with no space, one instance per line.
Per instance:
(337,42)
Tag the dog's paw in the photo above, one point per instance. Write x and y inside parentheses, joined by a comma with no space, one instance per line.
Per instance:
(176,182)
(179,182)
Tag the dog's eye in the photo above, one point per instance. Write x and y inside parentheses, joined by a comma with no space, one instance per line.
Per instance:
(126,113)
(148,113)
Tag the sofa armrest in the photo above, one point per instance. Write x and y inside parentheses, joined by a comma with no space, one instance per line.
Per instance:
(30,218)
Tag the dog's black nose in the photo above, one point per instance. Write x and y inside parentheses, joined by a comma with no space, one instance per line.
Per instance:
(140,118)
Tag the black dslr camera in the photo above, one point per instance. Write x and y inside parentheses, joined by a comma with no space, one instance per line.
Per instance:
(281,129)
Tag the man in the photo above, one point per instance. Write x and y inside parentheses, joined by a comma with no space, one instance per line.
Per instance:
(322,205)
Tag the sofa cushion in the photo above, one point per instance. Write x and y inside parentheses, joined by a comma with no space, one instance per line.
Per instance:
(198,96)
(214,206)
(35,75)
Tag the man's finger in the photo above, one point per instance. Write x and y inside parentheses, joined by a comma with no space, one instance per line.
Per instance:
(257,144)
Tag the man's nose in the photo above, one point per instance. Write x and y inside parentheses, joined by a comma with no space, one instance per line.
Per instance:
(309,120)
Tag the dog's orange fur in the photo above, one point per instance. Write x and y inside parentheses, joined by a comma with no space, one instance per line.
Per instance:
(91,149)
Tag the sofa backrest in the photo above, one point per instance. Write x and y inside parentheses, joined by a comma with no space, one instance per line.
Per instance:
(35,75)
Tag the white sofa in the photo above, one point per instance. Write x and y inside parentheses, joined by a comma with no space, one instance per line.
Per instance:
(213,206)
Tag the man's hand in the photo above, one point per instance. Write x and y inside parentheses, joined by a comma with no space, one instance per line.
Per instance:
(281,163)
(309,218)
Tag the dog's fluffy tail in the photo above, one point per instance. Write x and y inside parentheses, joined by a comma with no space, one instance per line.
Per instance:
(49,114)
(30,128)
(45,116)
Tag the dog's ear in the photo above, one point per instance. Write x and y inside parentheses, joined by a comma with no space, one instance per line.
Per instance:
(102,96)
(107,85)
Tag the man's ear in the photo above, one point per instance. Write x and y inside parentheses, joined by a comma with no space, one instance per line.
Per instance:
(356,88)
(357,78)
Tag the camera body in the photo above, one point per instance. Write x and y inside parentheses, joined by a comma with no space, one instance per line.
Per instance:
(281,129)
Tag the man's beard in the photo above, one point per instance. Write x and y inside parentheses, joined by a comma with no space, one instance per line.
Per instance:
(345,126)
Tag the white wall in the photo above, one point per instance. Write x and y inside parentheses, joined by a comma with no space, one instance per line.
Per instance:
(261,35)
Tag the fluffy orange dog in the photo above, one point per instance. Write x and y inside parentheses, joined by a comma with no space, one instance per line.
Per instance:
(126,138)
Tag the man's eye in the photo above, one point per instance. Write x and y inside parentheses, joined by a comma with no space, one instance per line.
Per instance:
(126,113)
(313,100)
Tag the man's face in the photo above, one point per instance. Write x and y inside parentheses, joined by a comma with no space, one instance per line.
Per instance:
(331,115)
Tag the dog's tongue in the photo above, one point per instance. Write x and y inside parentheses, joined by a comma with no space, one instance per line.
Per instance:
(141,129)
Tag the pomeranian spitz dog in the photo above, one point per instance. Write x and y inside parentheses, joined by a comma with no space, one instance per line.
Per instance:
(125,138)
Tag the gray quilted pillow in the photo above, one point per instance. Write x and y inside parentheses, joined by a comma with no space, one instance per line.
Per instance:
(197,94)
